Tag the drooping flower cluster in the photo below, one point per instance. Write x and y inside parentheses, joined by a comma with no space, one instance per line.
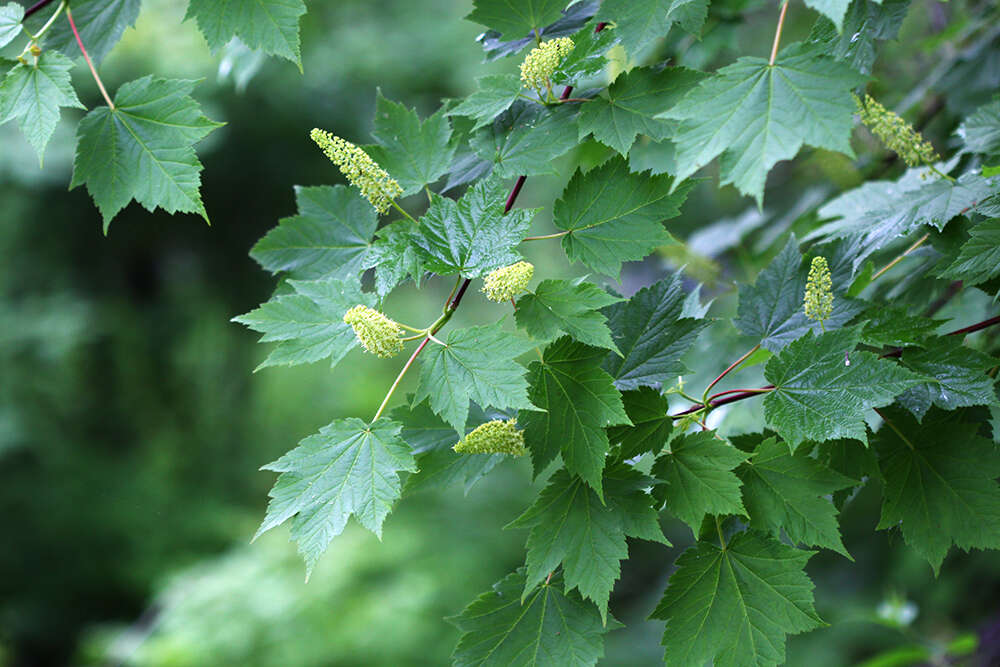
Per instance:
(897,135)
(376,185)
(378,334)
(542,61)
(505,283)
(818,300)
(495,437)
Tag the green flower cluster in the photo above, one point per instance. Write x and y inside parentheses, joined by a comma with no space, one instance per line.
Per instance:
(378,334)
(495,437)
(897,135)
(505,283)
(818,301)
(363,172)
(542,61)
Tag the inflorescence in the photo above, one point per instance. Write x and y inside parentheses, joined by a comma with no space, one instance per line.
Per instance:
(818,300)
(495,437)
(505,283)
(378,334)
(377,186)
(541,63)
(897,135)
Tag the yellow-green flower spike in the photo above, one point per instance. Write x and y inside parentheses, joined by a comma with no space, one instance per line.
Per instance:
(897,135)
(818,301)
(505,283)
(495,437)
(542,61)
(378,334)
(363,172)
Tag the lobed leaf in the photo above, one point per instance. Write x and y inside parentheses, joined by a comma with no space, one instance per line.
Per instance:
(566,307)
(269,25)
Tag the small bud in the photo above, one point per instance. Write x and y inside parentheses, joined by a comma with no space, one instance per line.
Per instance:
(818,301)
(897,135)
(542,61)
(495,437)
(36,50)
(378,334)
(507,282)
(357,166)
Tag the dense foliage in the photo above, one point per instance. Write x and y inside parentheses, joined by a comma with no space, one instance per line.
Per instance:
(862,386)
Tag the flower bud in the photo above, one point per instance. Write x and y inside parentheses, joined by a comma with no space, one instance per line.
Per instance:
(505,283)
(818,301)
(378,334)
(495,437)
(897,135)
(542,61)
(357,166)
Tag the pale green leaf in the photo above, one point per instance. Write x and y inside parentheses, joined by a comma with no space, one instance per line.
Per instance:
(495,94)
(10,22)
(832,9)
(566,307)
(641,22)
(981,130)
(269,25)
(142,149)
(348,468)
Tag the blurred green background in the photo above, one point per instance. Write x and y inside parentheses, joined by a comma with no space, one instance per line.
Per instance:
(131,426)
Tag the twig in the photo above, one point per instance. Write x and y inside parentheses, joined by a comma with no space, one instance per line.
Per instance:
(777,34)
(86,56)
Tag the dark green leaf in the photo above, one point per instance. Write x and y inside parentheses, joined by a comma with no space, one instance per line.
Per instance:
(516,18)
(495,94)
(566,307)
(579,401)
(979,259)
(142,149)
(895,327)
(735,606)
(474,364)
(525,139)
(698,478)
(395,256)
(472,236)
(547,628)
(641,22)
(958,376)
(647,410)
(866,23)
(940,484)
(981,130)
(348,468)
(786,492)
(100,24)
(33,94)
(832,9)
(817,396)
(330,236)
(653,334)
(615,216)
(269,25)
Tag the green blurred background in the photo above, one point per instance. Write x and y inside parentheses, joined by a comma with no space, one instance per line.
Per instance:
(131,426)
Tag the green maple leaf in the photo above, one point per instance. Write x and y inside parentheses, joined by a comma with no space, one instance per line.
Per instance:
(33,94)
(516,18)
(958,377)
(865,23)
(755,115)
(895,327)
(832,9)
(641,22)
(653,334)
(11,16)
(817,396)
(475,364)
(309,324)
(579,401)
(735,606)
(786,492)
(348,468)
(614,216)
(525,139)
(100,24)
(142,149)
(648,410)
(330,236)
(432,439)
(940,483)
(698,478)
(394,256)
(547,628)
(566,307)
(981,130)
(571,526)
(979,258)
(494,95)
(771,309)
(632,101)
(472,236)
(269,25)
(415,153)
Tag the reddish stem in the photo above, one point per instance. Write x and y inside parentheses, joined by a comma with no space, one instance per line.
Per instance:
(90,63)
(38,6)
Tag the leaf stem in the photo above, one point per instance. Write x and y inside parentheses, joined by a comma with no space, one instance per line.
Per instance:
(732,366)
(545,236)
(895,428)
(45,28)
(722,538)
(409,328)
(37,7)
(941,174)
(919,242)
(90,63)
(399,378)
(401,210)
(777,34)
